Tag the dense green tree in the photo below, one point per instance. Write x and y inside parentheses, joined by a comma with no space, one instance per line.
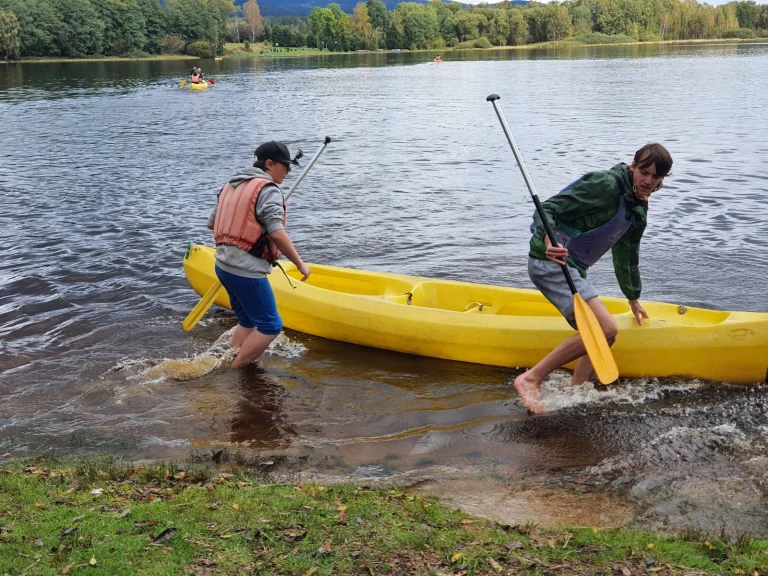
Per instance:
(10,33)
(125,27)
(378,14)
(81,32)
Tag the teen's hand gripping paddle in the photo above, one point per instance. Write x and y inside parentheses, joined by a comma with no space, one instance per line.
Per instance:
(210,297)
(589,328)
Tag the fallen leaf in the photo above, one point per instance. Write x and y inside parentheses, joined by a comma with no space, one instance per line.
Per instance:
(39,542)
(123,514)
(325,548)
(513,545)
(243,484)
(68,531)
(467,521)
(342,515)
(625,571)
(649,546)
(208,486)
(552,542)
(164,536)
(456,557)
(496,566)
(93,561)
(236,506)
(293,536)
(97,491)
(310,572)
(66,569)
(78,518)
(738,571)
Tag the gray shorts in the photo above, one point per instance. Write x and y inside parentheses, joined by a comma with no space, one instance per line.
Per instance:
(548,277)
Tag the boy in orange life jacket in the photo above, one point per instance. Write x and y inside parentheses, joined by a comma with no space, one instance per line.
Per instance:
(249,230)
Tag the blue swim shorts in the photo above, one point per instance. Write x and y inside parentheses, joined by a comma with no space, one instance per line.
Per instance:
(253,302)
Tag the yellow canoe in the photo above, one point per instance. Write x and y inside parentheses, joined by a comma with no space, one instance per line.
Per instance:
(199,86)
(500,326)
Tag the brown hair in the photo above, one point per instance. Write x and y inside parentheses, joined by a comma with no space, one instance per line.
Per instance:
(654,154)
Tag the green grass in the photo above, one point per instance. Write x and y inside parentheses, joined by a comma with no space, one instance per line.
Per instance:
(238,522)
(234,50)
(599,38)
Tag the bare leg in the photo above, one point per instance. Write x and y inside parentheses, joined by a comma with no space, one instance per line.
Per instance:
(529,383)
(583,372)
(253,347)
(239,336)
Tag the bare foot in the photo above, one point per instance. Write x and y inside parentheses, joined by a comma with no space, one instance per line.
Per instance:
(529,393)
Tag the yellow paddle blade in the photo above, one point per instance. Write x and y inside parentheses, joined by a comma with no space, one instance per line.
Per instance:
(182,83)
(202,307)
(594,341)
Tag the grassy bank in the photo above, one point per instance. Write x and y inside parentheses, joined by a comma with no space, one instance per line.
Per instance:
(103,518)
(258,50)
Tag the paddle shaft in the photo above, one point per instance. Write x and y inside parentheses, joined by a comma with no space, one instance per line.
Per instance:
(539,208)
(292,189)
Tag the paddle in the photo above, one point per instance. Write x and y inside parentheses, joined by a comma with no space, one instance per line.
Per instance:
(182,83)
(591,333)
(209,297)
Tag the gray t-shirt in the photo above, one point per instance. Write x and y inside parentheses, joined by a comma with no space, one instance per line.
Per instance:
(269,213)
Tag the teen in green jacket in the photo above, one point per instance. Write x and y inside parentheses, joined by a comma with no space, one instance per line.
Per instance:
(601,211)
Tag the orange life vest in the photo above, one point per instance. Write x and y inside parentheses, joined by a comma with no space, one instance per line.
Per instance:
(236,222)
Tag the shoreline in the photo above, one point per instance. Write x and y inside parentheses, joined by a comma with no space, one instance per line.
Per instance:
(568,43)
(125,518)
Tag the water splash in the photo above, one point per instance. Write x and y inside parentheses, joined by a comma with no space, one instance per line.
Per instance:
(218,356)
(559,395)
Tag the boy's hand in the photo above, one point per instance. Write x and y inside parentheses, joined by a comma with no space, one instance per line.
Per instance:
(305,271)
(638,311)
(557,255)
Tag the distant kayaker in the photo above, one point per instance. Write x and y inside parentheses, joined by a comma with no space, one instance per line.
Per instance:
(601,211)
(249,230)
(196,76)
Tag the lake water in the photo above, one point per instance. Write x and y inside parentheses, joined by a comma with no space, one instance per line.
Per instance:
(108,171)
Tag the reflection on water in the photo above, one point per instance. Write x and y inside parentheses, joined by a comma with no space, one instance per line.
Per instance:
(108,171)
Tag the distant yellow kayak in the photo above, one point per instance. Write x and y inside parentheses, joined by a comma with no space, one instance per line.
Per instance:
(199,86)
(499,326)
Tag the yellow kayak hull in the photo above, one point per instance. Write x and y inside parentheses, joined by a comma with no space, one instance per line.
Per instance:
(200,86)
(500,326)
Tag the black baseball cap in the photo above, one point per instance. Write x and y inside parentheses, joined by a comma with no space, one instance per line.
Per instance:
(276,151)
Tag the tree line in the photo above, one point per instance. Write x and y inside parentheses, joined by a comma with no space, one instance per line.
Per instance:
(79,28)
(438,24)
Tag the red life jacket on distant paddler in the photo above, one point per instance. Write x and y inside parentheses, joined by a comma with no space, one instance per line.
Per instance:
(236,222)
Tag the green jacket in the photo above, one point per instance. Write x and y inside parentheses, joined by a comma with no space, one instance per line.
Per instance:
(588,204)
